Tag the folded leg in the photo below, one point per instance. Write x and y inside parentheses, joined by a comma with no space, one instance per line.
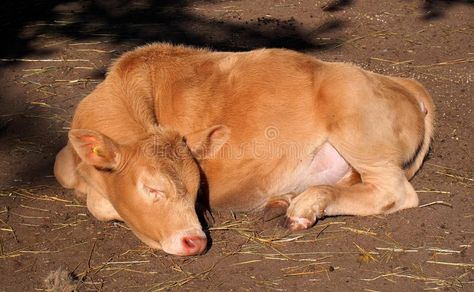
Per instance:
(101,207)
(382,191)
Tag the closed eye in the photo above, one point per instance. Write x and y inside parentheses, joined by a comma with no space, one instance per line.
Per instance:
(154,194)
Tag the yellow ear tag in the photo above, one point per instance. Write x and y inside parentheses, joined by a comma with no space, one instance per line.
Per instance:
(96,150)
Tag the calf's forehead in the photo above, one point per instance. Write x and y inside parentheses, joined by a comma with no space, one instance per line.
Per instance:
(176,166)
(159,146)
(163,155)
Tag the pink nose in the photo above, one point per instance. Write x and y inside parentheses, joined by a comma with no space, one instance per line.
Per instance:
(193,245)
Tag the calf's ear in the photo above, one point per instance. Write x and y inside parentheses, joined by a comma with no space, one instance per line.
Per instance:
(95,149)
(206,143)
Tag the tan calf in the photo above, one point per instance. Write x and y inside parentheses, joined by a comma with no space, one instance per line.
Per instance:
(266,128)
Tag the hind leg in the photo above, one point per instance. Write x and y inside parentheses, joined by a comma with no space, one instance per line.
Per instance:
(383,190)
(375,128)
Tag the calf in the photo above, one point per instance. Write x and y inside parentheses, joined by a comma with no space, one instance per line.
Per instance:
(269,128)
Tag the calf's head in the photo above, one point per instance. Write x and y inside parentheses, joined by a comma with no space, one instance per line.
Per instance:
(152,183)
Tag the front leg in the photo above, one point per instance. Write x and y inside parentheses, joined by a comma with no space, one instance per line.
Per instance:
(101,207)
(277,206)
(98,205)
(308,207)
(382,192)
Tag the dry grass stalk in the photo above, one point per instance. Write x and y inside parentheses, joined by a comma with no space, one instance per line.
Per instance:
(96,51)
(365,256)
(440,283)
(380,33)
(75,205)
(90,271)
(29,217)
(226,226)
(292,254)
(54,44)
(34,208)
(86,44)
(246,262)
(289,239)
(143,250)
(440,250)
(177,283)
(265,239)
(265,243)
(8,228)
(128,262)
(393,63)
(29,224)
(37,71)
(359,231)
(458,177)
(118,270)
(445,63)
(306,267)
(434,192)
(10,255)
(83,68)
(65,225)
(318,239)
(45,105)
(319,232)
(331,223)
(74,81)
(28,194)
(393,249)
(310,269)
(121,225)
(451,264)
(36,251)
(436,203)
(440,166)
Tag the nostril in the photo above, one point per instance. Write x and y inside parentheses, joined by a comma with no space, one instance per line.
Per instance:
(194,244)
(189,243)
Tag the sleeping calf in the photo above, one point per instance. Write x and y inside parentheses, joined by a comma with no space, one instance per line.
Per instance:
(269,128)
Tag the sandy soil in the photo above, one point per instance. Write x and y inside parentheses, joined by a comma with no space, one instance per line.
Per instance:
(56,52)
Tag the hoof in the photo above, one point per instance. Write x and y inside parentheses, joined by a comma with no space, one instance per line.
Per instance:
(298,223)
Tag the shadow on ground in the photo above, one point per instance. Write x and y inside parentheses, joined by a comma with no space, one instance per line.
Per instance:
(434,9)
(132,23)
(142,22)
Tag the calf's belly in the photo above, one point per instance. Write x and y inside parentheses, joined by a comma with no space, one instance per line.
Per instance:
(328,166)
(325,167)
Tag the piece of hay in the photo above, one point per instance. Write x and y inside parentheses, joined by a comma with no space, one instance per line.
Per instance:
(61,281)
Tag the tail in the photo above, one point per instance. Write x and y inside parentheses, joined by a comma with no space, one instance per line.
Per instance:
(426,106)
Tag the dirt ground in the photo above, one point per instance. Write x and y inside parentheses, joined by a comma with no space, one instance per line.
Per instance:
(54,53)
